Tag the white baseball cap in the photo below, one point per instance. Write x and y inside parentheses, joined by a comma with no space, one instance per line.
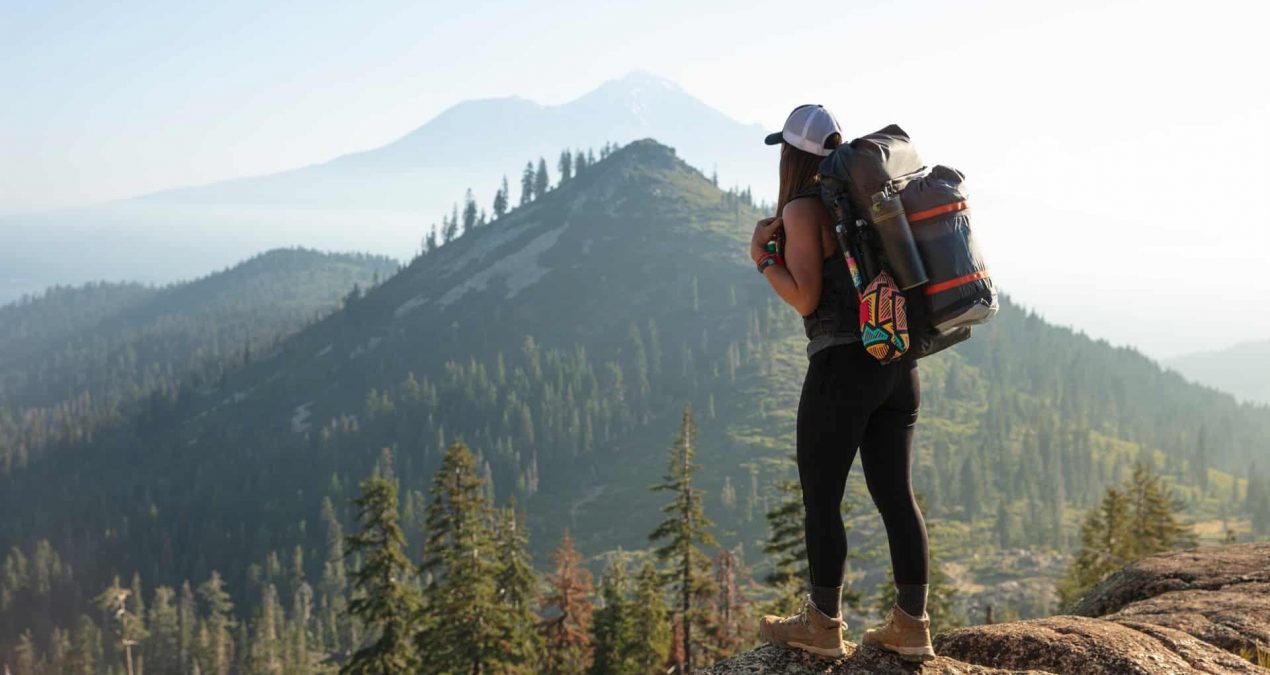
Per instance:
(807,128)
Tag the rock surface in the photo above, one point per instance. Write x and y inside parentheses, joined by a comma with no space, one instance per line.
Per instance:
(1077,644)
(1219,595)
(1207,569)
(1177,613)
(771,660)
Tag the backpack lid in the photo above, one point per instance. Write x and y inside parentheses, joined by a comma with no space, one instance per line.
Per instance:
(870,163)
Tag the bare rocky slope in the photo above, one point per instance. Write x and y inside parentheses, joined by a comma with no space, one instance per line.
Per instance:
(1192,611)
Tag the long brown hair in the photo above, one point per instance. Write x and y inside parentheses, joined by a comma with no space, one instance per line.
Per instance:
(799,170)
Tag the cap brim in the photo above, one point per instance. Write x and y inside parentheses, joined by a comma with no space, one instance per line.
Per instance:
(774,138)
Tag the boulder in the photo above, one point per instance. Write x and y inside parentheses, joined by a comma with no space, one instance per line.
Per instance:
(1207,569)
(1236,619)
(1077,644)
(1219,595)
(772,660)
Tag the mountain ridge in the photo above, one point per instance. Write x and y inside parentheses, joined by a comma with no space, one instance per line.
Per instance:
(1242,370)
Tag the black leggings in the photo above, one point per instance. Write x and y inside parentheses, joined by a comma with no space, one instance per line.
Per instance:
(850,400)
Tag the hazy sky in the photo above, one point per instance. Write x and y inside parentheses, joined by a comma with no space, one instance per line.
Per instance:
(1121,135)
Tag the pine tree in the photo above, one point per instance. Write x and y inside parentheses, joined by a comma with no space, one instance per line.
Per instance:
(1003,528)
(730,627)
(542,181)
(86,647)
(684,529)
(613,632)
(430,240)
(187,617)
(334,581)
(384,600)
(266,653)
(469,211)
(566,631)
(649,612)
(25,658)
(971,488)
(136,603)
(462,622)
(1261,516)
(1199,461)
(565,165)
(1136,519)
(786,548)
(59,652)
(527,182)
(218,620)
(163,650)
(129,629)
(517,590)
(450,226)
(1154,526)
(1253,488)
(501,199)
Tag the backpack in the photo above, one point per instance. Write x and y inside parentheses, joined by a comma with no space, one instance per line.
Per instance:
(958,292)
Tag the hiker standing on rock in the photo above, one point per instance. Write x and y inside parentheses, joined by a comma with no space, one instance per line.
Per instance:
(849,400)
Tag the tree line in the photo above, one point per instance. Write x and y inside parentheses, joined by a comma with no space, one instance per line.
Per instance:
(535,181)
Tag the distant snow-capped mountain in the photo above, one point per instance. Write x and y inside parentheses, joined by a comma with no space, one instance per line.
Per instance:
(381,200)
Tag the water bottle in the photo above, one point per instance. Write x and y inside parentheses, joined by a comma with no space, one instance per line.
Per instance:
(890,222)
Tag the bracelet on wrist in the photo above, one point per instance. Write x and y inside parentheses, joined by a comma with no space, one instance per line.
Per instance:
(769,259)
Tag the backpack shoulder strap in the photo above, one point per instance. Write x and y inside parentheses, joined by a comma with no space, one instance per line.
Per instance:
(809,192)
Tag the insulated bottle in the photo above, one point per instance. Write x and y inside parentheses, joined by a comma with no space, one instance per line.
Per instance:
(889,221)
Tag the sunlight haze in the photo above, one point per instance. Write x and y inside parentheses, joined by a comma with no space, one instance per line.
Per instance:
(1112,147)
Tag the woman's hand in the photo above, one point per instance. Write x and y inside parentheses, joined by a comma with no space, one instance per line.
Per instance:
(763,232)
(799,281)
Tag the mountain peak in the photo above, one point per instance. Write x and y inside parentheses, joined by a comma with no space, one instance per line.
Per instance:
(645,150)
(644,78)
(638,92)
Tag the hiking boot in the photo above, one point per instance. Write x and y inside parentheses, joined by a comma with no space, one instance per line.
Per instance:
(810,630)
(903,634)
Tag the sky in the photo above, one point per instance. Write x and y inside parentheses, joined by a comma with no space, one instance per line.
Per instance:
(1116,135)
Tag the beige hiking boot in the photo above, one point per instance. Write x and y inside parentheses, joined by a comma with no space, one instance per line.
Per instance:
(903,634)
(810,630)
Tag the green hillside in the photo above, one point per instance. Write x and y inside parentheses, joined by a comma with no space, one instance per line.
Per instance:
(75,359)
(560,342)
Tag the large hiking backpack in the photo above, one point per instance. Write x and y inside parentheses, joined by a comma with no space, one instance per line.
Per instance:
(958,292)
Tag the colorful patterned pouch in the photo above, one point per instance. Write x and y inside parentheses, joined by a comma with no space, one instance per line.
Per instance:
(884,319)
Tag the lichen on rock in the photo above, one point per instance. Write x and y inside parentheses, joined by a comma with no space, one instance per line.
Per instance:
(1088,646)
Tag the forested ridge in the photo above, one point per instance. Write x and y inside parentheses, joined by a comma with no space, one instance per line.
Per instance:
(559,341)
(74,359)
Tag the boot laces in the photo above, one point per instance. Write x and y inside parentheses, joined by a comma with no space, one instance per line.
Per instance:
(803,617)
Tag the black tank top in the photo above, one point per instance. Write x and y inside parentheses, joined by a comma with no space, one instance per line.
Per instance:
(836,318)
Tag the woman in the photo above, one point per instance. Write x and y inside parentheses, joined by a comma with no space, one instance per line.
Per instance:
(849,400)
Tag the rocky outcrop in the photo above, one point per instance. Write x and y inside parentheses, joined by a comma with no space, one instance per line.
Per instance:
(1077,644)
(771,660)
(1185,612)
(1219,595)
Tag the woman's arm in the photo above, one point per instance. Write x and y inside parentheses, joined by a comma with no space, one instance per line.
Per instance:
(798,283)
